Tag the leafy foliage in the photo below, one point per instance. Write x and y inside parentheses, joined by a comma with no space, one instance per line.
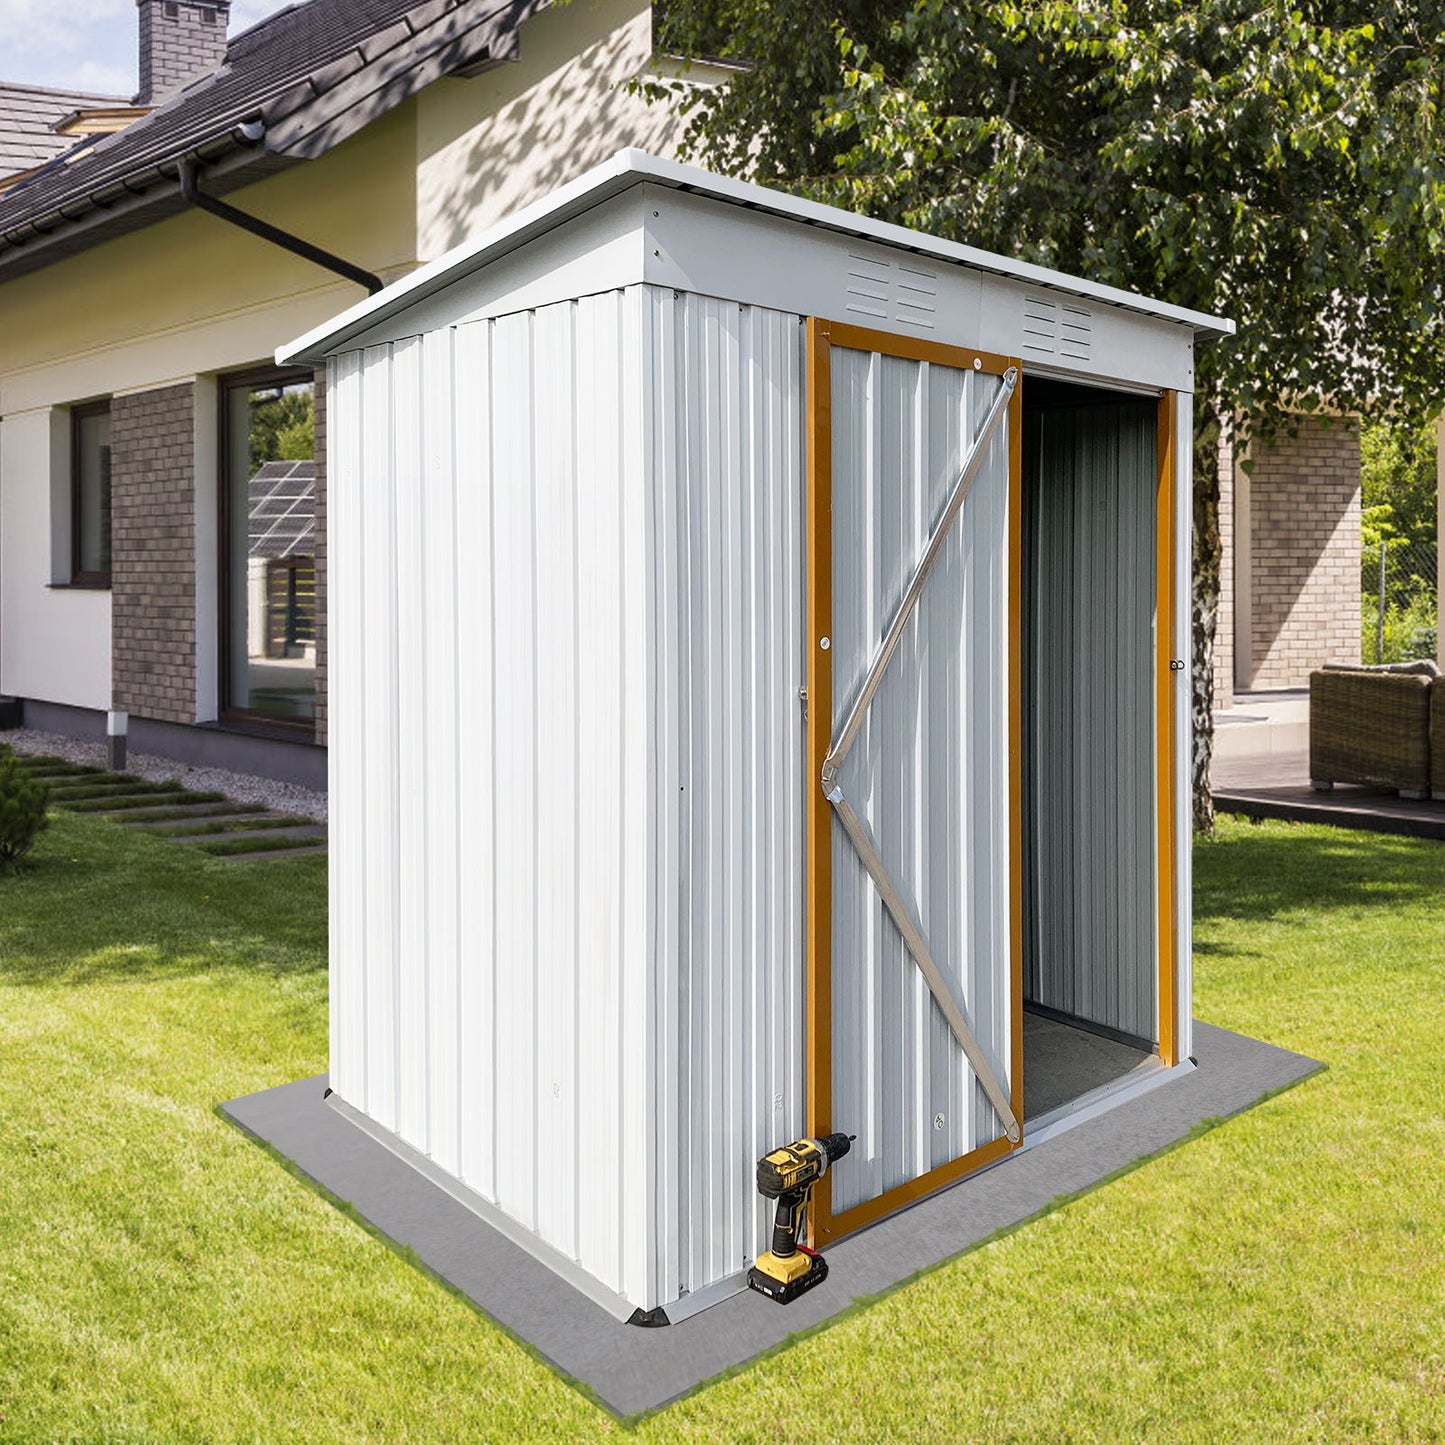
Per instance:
(283,426)
(1398,513)
(1397,481)
(1277,163)
(1409,631)
(23,802)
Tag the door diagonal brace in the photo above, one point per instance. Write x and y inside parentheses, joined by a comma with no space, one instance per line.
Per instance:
(857,830)
(873,678)
(950,1005)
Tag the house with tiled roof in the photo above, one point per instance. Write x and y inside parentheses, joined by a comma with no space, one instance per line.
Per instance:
(39,125)
(162,482)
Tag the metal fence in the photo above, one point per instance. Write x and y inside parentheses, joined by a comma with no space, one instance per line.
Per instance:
(1398,600)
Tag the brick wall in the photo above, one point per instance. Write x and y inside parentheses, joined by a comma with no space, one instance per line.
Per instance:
(1305,539)
(321,557)
(180,40)
(153,554)
(1224,618)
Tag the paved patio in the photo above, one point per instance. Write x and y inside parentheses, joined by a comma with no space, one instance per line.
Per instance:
(1277,785)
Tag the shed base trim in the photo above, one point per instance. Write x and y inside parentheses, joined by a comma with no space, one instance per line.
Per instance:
(1143,1080)
(615,1305)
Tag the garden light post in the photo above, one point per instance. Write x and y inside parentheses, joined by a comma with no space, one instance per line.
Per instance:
(116,724)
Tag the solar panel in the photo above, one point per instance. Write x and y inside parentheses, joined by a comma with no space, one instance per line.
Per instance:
(283,510)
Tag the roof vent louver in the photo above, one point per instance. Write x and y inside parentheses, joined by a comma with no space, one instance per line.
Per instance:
(891,291)
(1057,328)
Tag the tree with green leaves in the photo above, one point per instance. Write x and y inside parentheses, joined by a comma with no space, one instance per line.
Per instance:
(283,427)
(1398,480)
(1279,164)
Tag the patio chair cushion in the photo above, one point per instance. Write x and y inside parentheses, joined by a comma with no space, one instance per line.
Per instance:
(1421,667)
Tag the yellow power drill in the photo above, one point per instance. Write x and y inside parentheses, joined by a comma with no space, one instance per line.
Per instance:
(788,1175)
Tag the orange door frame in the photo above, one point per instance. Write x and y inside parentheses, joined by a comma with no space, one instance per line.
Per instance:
(822,336)
(1164,722)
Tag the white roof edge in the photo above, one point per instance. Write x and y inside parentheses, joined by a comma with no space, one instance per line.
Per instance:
(589,189)
(631,167)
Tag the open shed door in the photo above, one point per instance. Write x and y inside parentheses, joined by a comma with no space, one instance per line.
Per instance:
(913,777)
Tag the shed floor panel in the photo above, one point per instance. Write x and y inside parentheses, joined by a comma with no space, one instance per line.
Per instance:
(633,1370)
(1062,1063)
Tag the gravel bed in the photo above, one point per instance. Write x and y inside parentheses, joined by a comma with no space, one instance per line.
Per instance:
(239,787)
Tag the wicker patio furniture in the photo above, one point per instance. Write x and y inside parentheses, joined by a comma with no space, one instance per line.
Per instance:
(1374,727)
(1437,738)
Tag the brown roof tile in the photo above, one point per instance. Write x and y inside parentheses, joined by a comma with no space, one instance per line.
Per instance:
(28,116)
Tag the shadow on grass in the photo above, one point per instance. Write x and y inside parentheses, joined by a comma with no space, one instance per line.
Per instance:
(99,903)
(1256,872)
(1207,948)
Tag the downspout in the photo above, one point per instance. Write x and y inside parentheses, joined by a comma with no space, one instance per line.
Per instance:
(192,192)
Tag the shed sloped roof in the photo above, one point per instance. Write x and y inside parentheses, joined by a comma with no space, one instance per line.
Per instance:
(633,167)
(28,117)
(299,83)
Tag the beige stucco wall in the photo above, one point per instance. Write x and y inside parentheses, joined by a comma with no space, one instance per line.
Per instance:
(53,638)
(487,146)
(192,293)
(181,295)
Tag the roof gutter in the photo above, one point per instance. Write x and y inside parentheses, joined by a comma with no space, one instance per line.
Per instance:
(194,195)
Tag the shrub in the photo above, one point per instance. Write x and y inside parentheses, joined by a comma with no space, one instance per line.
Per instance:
(22,809)
(1409,629)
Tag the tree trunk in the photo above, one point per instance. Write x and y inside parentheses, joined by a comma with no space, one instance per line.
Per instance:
(1205,609)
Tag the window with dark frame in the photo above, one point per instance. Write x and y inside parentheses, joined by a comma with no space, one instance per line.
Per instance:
(90,495)
(268,544)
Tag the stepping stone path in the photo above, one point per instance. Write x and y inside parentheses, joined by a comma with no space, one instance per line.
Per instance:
(237,832)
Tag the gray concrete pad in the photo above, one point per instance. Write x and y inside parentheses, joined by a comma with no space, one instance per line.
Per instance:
(632,1370)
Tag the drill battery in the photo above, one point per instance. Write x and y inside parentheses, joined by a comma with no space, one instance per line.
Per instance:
(784,1280)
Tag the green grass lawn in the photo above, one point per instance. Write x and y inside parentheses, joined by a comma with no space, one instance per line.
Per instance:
(161,1279)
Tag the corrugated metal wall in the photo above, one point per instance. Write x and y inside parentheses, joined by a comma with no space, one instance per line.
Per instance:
(491,843)
(930,772)
(1090,946)
(727,414)
(566,767)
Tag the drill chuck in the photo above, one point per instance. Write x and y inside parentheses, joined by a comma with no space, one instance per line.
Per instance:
(795,1166)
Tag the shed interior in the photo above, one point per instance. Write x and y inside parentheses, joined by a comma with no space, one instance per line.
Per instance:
(1090,813)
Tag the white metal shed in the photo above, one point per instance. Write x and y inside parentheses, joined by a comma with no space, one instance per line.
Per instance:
(758,669)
